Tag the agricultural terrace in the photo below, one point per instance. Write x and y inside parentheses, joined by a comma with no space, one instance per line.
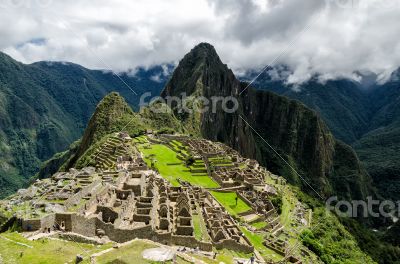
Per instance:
(228,200)
(257,240)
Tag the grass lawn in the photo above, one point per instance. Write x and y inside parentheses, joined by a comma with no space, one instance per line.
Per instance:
(257,240)
(259,225)
(131,253)
(288,205)
(164,156)
(200,229)
(43,251)
(227,200)
(178,146)
(224,256)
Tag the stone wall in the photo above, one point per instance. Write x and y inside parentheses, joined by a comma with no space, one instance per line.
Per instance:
(124,235)
(64,221)
(245,200)
(31,224)
(163,238)
(107,213)
(47,222)
(76,198)
(77,238)
(233,245)
(84,226)
(191,242)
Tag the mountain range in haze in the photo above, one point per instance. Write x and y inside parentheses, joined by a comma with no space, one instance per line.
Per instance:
(46,105)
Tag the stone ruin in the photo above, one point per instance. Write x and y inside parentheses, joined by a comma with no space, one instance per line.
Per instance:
(122,199)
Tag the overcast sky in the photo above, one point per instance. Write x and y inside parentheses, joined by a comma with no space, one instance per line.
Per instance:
(331,37)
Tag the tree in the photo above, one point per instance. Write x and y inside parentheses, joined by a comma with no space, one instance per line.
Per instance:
(190,161)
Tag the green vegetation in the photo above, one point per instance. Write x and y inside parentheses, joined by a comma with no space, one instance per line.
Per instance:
(369,121)
(87,158)
(44,107)
(200,229)
(46,251)
(277,202)
(113,114)
(42,115)
(171,168)
(228,200)
(257,241)
(379,151)
(286,207)
(330,241)
(373,243)
(259,225)
(141,140)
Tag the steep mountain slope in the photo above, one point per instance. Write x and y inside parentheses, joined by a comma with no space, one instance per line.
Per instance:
(112,114)
(262,118)
(367,119)
(45,106)
(341,103)
(379,148)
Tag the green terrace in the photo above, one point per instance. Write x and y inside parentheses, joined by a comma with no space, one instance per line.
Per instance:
(179,148)
(140,140)
(259,225)
(228,200)
(200,229)
(221,161)
(257,237)
(168,164)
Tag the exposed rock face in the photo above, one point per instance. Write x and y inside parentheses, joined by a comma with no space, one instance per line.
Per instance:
(297,133)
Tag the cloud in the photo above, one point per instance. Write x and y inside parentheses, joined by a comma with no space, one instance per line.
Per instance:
(334,38)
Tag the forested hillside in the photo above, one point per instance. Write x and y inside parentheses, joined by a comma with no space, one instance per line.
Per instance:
(365,116)
(45,106)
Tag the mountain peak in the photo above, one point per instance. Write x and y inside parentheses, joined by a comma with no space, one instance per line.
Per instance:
(203,49)
(201,65)
(203,54)
(109,112)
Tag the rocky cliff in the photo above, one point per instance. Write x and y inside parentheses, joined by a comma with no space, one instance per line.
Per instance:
(282,134)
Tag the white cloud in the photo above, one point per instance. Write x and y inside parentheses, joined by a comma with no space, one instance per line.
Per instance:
(336,39)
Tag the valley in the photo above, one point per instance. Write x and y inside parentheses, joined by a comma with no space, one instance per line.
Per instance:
(45,107)
(364,117)
(205,187)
